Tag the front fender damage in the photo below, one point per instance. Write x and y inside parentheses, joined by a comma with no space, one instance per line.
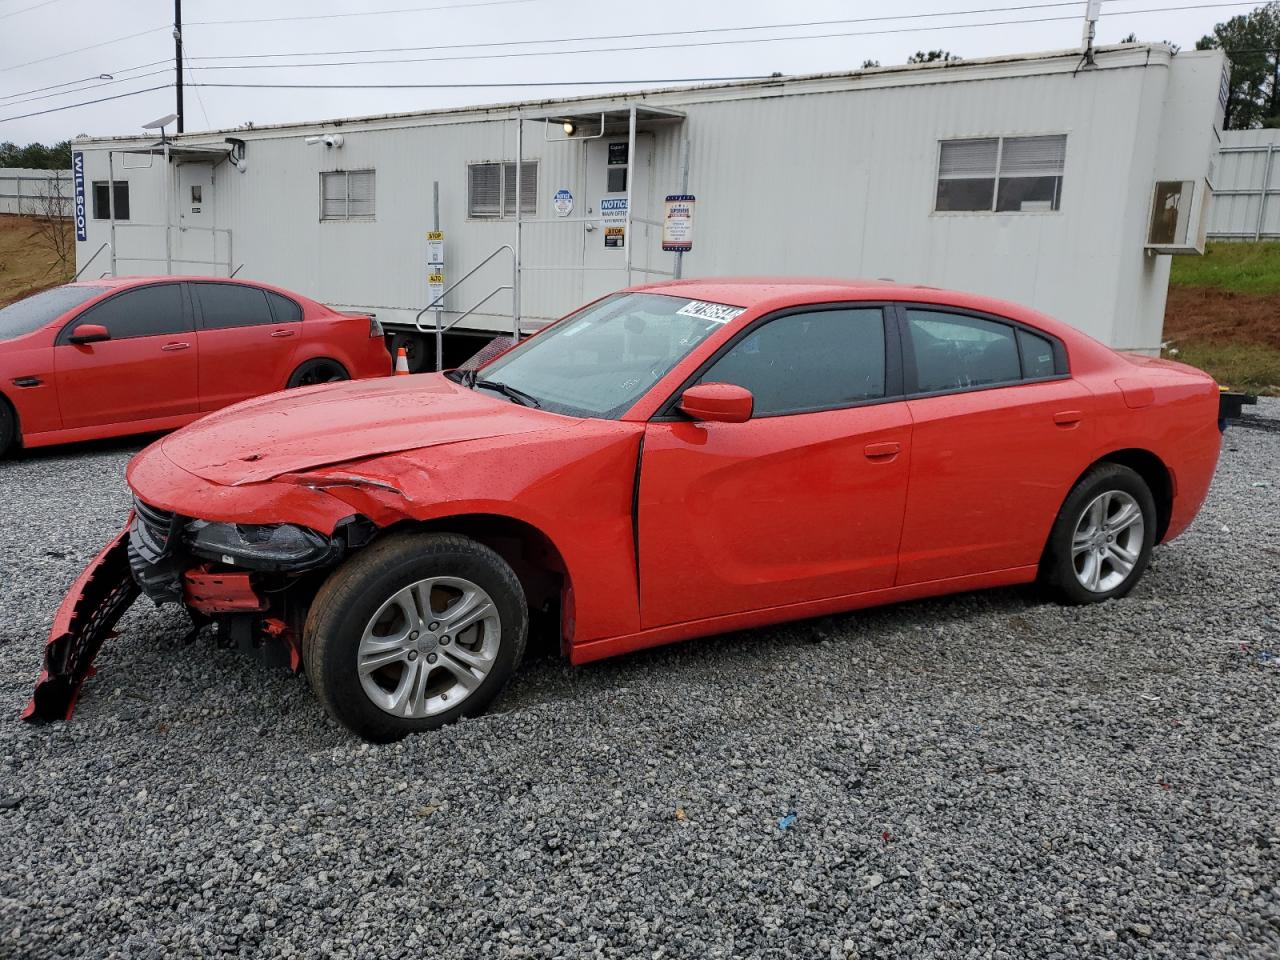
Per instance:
(101,594)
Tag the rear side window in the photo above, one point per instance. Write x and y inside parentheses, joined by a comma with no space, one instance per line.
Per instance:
(955,352)
(141,312)
(808,361)
(1037,355)
(231,305)
(33,312)
(283,309)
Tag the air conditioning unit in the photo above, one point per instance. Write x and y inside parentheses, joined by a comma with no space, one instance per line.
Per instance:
(1178,217)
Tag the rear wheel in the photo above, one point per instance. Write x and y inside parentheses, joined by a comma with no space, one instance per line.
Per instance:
(321,370)
(413,633)
(8,427)
(1101,542)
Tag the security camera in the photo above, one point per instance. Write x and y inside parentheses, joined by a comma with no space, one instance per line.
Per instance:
(329,140)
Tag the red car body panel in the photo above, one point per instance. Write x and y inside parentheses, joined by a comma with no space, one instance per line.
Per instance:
(666,529)
(63,392)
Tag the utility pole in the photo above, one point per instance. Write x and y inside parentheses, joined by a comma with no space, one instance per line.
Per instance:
(177,56)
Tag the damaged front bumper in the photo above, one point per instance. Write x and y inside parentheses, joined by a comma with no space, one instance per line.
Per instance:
(84,621)
(167,557)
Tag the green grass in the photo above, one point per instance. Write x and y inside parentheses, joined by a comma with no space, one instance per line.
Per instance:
(1252,268)
(1249,367)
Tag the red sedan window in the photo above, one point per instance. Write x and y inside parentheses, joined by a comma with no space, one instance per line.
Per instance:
(33,312)
(601,360)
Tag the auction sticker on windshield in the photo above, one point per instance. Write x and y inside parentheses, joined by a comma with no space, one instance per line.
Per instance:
(716,312)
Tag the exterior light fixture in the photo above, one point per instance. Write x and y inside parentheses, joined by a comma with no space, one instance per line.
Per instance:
(570,127)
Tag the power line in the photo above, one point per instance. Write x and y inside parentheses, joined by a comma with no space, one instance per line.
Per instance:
(108,77)
(660,33)
(92,46)
(614,49)
(364,13)
(464,86)
(691,43)
(34,6)
(85,103)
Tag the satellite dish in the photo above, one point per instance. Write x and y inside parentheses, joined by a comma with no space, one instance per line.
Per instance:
(160,124)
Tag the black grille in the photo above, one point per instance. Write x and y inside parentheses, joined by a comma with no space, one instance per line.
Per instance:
(158,523)
(152,555)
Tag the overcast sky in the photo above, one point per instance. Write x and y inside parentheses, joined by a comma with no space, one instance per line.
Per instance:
(33,30)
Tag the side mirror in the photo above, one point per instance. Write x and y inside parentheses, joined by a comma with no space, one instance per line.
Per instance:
(89,333)
(718,402)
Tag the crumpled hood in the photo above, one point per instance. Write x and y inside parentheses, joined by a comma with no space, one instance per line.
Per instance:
(316,426)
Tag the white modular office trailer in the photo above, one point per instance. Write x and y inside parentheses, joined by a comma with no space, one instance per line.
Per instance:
(1045,179)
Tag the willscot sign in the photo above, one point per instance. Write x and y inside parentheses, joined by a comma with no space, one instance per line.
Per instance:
(77,171)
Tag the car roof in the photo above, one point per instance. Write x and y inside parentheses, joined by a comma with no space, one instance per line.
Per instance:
(137,281)
(774,293)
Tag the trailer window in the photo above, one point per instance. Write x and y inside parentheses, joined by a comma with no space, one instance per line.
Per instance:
(491,190)
(1001,174)
(348,195)
(102,190)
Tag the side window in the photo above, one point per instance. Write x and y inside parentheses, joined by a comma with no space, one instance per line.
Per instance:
(808,361)
(1037,356)
(104,205)
(284,309)
(954,352)
(145,312)
(231,305)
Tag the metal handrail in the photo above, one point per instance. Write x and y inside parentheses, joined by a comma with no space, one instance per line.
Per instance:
(105,244)
(439,330)
(480,303)
(417,320)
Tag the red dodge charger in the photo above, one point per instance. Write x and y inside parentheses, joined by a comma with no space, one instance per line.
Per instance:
(668,462)
(105,358)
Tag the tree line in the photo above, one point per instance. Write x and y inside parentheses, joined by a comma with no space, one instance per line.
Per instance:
(36,156)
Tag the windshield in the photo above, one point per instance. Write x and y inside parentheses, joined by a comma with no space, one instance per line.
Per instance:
(35,311)
(602,359)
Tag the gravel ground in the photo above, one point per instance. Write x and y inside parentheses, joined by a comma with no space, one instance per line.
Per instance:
(985,775)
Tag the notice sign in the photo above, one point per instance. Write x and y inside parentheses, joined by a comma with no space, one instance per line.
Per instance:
(77,170)
(435,289)
(563,202)
(435,248)
(677,223)
(615,236)
(618,154)
(613,210)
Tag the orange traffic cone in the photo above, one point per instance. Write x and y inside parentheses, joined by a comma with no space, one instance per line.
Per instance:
(402,362)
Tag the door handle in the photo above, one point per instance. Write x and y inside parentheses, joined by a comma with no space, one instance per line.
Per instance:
(282,333)
(1067,418)
(882,451)
(182,345)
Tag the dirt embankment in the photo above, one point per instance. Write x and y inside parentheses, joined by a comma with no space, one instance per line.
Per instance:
(28,262)
(1207,314)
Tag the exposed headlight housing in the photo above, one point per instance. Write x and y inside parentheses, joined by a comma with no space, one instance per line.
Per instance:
(275,546)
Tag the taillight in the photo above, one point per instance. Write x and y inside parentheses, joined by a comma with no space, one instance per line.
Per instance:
(375,328)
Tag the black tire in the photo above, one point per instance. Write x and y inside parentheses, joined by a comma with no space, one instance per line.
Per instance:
(1059,570)
(319,370)
(354,593)
(8,427)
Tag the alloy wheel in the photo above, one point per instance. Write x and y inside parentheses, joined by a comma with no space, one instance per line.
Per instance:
(1107,541)
(429,646)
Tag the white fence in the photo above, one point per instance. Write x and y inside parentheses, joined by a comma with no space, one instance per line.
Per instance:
(36,193)
(1246,187)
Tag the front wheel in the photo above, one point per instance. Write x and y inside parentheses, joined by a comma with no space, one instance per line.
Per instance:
(1101,542)
(413,633)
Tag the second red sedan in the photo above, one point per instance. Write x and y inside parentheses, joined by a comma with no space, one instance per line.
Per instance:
(106,358)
